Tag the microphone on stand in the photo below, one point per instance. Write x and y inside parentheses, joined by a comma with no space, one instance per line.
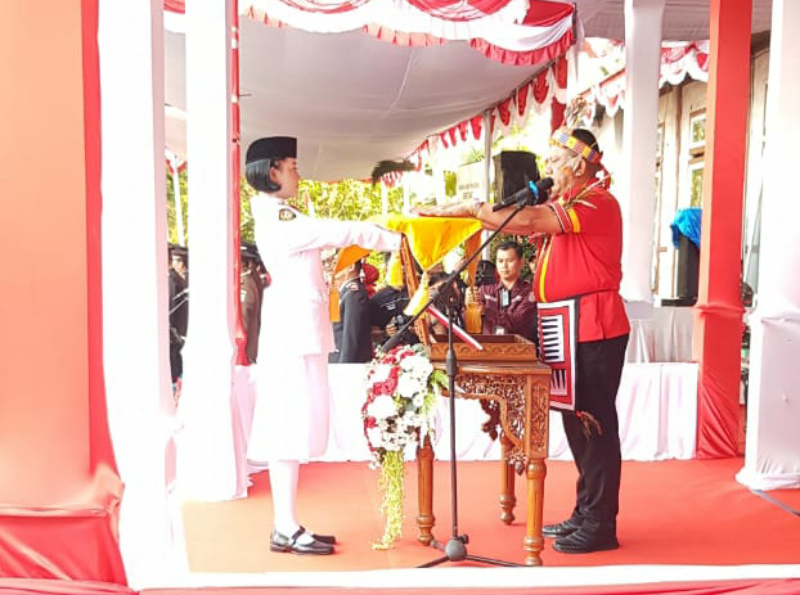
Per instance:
(533,194)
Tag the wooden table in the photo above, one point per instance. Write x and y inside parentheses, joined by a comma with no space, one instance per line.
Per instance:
(516,396)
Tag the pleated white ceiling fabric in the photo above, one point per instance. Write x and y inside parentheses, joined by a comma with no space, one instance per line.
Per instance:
(351,99)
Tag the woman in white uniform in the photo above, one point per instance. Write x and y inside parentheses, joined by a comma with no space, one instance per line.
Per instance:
(290,422)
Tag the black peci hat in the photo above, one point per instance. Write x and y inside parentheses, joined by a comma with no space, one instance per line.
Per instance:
(273,148)
(249,250)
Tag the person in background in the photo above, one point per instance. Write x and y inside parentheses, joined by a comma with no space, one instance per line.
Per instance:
(352,334)
(386,313)
(178,285)
(291,416)
(369,276)
(507,306)
(250,295)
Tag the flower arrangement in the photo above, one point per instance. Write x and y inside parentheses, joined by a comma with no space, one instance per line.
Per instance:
(402,389)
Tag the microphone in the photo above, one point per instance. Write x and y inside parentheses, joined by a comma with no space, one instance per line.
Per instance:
(534,194)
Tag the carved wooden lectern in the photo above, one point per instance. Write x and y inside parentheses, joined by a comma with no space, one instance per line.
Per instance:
(514,390)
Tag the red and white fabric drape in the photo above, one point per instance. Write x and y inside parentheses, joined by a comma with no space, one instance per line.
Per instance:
(509,31)
(546,89)
(677,62)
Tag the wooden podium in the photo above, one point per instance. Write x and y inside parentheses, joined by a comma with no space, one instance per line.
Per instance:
(514,390)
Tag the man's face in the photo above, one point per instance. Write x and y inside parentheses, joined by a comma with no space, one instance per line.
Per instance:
(509,265)
(178,265)
(286,175)
(559,167)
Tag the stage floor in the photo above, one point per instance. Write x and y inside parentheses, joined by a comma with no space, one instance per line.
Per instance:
(672,512)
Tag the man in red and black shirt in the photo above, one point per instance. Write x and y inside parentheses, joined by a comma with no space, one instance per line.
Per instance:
(507,305)
(579,257)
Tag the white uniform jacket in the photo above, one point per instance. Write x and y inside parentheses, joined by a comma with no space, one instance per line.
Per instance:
(290,420)
(295,314)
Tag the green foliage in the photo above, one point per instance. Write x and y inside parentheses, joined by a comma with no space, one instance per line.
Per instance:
(172,225)
(246,221)
(391,484)
(450,184)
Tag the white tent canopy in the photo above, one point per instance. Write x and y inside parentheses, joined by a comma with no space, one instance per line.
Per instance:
(350,98)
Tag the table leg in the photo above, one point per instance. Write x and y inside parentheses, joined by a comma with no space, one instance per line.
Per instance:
(507,497)
(425,518)
(534,543)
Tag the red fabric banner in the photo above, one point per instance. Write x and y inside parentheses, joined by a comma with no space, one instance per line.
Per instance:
(326,7)
(522,98)
(477,126)
(178,6)
(540,87)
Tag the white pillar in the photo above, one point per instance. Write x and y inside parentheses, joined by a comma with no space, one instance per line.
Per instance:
(206,458)
(487,171)
(773,411)
(573,76)
(637,174)
(135,322)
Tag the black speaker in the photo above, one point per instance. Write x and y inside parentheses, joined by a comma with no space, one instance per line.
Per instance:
(688,269)
(512,172)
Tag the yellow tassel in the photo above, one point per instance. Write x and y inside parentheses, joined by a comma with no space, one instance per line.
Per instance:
(395,270)
(420,298)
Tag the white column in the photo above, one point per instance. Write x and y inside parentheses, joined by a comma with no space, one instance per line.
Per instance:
(487,171)
(573,76)
(206,462)
(773,411)
(637,174)
(135,322)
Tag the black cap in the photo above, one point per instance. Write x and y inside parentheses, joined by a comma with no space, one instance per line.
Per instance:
(176,250)
(273,147)
(249,250)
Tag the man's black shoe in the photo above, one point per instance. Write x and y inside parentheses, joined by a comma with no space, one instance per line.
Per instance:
(561,529)
(280,543)
(329,539)
(583,542)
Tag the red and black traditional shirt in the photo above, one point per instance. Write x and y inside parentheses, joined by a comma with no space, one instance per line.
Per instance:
(584,260)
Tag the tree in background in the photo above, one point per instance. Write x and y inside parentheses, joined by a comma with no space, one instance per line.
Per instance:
(172,226)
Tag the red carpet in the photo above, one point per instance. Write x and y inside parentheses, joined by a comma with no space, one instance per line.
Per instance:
(672,512)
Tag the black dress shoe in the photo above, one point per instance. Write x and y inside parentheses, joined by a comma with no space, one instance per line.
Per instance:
(329,539)
(584,542)
(561,529)
(280,543)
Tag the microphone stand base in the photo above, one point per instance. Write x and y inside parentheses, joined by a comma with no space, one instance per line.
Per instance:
(455,550)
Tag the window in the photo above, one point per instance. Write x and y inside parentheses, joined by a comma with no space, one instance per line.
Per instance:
(697,150)
(697,132)
(696,169)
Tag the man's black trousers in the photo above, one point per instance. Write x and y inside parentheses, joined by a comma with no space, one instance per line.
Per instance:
(597,453)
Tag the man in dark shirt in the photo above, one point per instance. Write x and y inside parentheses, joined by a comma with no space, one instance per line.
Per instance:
(386,313)
(251,290)
(178,308)
(507,305)
(352,334)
